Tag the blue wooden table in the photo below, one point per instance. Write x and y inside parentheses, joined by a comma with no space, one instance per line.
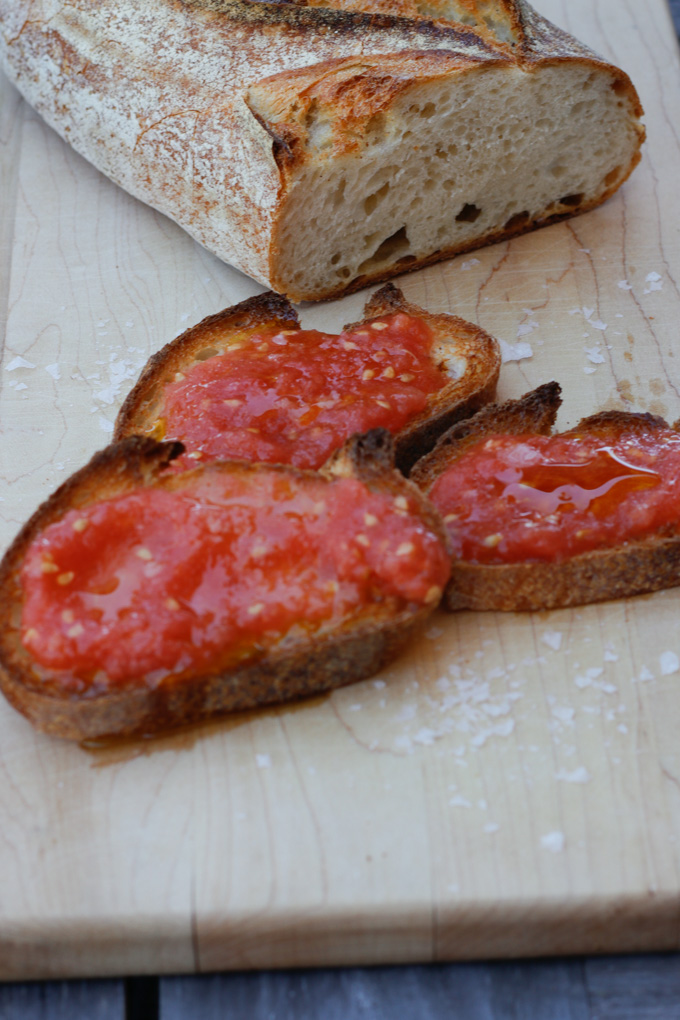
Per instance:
(593,988)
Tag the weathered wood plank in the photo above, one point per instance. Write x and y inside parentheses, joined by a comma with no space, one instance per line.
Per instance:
(643,987)
(541,990)
(63,1000)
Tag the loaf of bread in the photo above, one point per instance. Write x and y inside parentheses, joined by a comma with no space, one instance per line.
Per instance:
(300,395)
(138,599)
(562,520)
(321,147)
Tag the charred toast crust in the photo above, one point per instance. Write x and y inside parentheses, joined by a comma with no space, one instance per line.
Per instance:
(458,399)
(634,568)
(345,653)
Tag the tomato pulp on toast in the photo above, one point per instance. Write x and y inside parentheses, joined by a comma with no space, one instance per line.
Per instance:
(294,396)
(214,568)
(514,498)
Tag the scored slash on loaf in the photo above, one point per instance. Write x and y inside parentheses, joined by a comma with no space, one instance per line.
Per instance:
(322,148)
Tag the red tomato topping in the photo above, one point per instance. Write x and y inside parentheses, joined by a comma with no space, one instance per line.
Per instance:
(169,580)
(516,498)
(295,396)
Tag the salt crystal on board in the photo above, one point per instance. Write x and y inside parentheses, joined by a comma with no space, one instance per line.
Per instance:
(460,801)
(579,775)
(53,370)
(515,352)
(624,285)
(263,761)
(18,362)
(595,355)
(669,663)
(553,639)
(553,841)
(469,264)
(105,425)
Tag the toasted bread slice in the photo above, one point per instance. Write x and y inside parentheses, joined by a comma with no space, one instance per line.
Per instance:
(465,355)
(308,656)
(632,566)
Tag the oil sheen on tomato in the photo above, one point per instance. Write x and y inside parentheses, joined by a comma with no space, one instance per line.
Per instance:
(516,498)
(294,396)
(170,580)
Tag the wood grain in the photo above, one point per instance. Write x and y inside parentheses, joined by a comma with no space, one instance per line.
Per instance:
(512,785)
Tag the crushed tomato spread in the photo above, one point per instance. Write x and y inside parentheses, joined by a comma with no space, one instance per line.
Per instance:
(294,396)
(169,580)
(515,498)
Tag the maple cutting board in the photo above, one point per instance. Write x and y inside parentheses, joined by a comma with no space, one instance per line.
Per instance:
(511,785)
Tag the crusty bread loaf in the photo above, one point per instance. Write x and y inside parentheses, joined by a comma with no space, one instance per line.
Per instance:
(631,568)
(305,661)
(468,358)
(320,147)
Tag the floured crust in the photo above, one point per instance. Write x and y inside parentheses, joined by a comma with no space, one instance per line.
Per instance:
(466,354)
(209,109)
(634,568)
(338,655)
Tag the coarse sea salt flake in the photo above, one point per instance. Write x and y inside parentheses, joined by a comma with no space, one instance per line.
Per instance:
(579,775)
(669,663)
(263,761)
(589,369)
(515,352)
(594,355)
(18,362)
(460,801)
(53,370)
(553,841)
(553,639)
(469,264)
(105,425)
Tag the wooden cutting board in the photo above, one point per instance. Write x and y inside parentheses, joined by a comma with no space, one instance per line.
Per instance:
(511,786)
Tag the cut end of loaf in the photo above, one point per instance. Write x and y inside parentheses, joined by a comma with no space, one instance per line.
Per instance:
(448,166)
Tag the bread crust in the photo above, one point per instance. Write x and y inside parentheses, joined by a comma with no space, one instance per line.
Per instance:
(455,339)
(206,121)
(341,654)
(633,568)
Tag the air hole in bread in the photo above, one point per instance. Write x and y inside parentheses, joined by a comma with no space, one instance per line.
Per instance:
(207,352)
(468,214)
(520,219)
(572,200)
(393,248)
(375,127)
(339,196)
(558,170)
(373,200)
(620,88)
(428,110)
